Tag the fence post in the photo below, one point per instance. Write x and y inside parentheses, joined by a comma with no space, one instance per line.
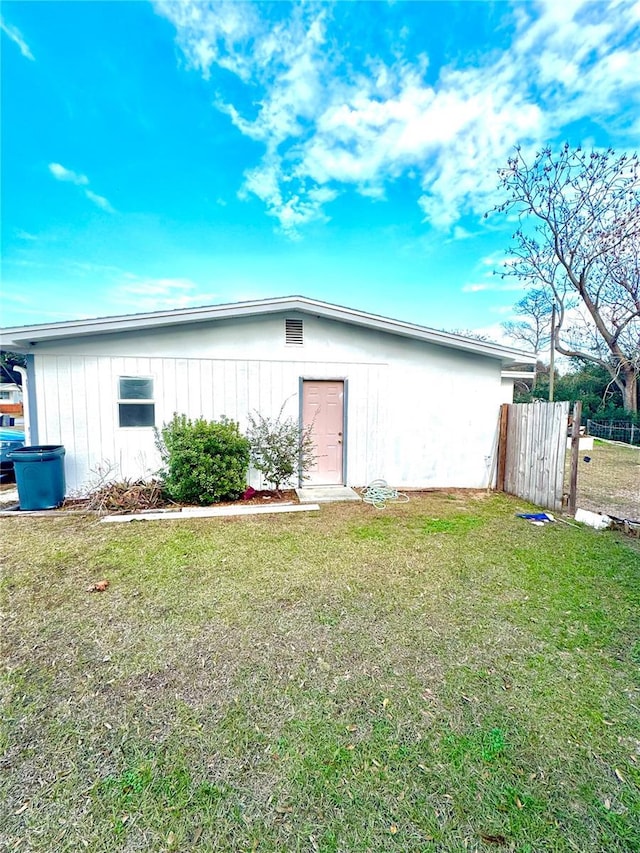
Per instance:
(575,453)
(589,426)
(502,447)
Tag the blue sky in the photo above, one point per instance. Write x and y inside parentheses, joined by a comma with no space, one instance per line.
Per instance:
(159,155)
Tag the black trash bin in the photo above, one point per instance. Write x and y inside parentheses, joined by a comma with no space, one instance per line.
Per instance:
(39,475)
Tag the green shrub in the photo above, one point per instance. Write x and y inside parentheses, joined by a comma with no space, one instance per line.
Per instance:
(280,448)
(204,461)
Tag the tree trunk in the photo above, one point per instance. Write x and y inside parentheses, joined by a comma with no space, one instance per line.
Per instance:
(628,384)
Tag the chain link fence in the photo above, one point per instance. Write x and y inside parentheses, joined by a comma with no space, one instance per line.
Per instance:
(615,431)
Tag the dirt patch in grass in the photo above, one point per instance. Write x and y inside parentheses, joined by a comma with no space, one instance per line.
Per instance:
(431,677)
(609,481)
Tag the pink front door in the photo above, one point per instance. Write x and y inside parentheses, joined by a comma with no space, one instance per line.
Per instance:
(322,409)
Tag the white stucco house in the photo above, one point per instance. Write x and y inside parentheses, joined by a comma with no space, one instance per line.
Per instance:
(391,399)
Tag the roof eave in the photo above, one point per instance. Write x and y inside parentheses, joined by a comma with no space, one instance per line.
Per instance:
(518,374)
(22,337)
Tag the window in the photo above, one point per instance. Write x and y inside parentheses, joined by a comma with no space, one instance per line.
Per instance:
(136,407)
(293,332)
(5,395)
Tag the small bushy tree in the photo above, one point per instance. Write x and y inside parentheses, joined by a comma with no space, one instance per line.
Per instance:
(8,360)
(204,461)
(590,383)
(280,447)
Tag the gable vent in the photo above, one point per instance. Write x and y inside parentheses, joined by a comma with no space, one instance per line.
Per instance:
(293,332)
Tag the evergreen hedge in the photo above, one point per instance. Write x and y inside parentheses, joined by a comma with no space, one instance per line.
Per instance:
(204,461)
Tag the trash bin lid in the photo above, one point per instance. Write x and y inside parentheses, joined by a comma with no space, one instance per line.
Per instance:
(37,453)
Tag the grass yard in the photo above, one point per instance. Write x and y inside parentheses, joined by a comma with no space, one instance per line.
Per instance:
(439,676)
(610,481)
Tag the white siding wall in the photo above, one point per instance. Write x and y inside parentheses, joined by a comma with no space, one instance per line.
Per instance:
(418,415)
(506,395)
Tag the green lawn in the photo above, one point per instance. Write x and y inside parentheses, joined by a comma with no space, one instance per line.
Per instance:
(439,676)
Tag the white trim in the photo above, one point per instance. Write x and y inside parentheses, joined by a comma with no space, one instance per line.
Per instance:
(138,401)
(517,374)
(21,337)
(26,413)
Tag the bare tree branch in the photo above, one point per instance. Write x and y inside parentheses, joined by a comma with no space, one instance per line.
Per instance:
(578,243)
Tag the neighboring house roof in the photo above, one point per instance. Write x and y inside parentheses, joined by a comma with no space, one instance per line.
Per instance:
(520,370)
(21,337)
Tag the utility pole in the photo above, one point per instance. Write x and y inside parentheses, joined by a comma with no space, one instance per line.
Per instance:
(553,348)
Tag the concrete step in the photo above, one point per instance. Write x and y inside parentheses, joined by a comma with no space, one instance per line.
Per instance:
(326,494)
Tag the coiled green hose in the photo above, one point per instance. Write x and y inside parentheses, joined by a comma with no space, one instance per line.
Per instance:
(378,493)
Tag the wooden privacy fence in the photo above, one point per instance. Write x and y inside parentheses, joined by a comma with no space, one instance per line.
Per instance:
(531,451)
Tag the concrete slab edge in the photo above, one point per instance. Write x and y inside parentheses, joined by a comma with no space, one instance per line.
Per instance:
(15,512)
(331,500)
(208,512)
(326,494)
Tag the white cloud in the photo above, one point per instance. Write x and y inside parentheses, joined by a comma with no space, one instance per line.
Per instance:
(16,36)
(496,285)
(497,261)
(496,333)
(492,273)
(460,233)
(99,200)
(579,56)
(326,125)
(291,207)
(21,309)
(145,293)
(211,36)
(61,174)
(504,310)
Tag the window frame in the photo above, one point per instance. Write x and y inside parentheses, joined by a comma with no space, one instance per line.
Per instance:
(136,401)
